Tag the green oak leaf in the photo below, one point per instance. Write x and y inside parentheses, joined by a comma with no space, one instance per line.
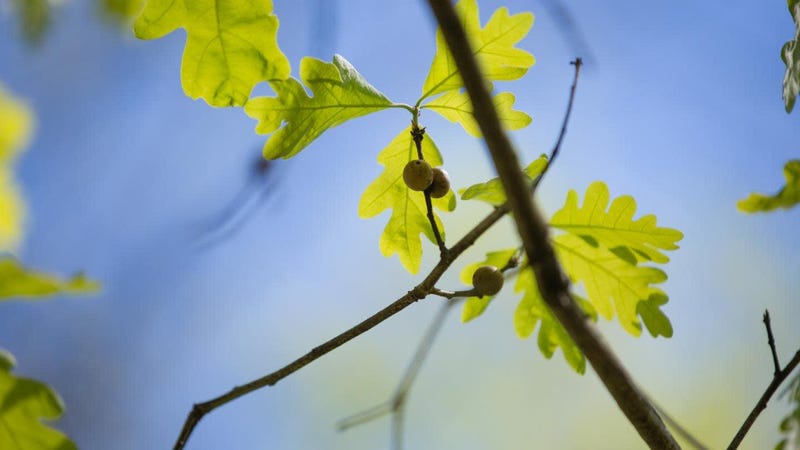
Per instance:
(24,403)
(231,45)
(16,127)
(493,46)
(340,94)
(475,306)
(787,197)
(122,11)
(19,281)
(456,107)
(790,54)
(492,191)
(612,283)
(532,310)
(409,213)
(638,239)
(656,322)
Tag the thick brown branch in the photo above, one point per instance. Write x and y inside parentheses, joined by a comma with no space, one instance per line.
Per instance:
(553,284)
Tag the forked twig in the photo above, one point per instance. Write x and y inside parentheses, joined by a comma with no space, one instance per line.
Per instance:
(778,378)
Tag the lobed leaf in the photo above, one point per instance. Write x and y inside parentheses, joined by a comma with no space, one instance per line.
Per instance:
(475,306)
(532,310)
(456,107)
(493,46)
(492,191)
(24,403)
(340,94)
(612,283)
(389,191)
(615,229)
(230,47)
(19,281)
(787,197)
(790,54)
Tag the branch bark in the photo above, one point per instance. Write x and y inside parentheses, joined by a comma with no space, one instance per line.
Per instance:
(553,284)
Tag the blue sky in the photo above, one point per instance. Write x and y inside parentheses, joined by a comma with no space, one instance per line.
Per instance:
(680,107)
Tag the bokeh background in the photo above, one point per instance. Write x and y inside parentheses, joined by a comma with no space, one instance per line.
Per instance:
(214,276)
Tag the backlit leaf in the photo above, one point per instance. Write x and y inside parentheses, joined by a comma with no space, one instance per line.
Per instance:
(475,306)
(230,47)
(340,94)
(24,403)
(18,281)
(492,191)
(456,107)
(642,239)
(612,283)
(493,46)
(790,54)
(389,191)
(787,197)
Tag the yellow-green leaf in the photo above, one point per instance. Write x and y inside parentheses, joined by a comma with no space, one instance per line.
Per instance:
(492,191)
(787,197)
(16,126)
(615,229)
(475,306)
(340,94)
(18,281)
(456,107)
(493,46)
(790,54)
(656,322)
(230,47)
(612,283)
(532,310)
(389,191)
(24,403)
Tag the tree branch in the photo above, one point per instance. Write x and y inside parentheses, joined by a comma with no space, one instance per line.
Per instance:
(418,134)
(422,290)
(553,284)
(778,377)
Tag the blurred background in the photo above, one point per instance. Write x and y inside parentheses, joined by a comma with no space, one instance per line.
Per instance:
(215,273)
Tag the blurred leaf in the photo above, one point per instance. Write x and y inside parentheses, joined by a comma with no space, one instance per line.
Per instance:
(18,281)
(615,228)
(23,405)
(493,46)
(456,107)
(787,197)
(122,11)
(790,425)
(16,126)
(409,213)
(532,310)
(654,319)
(340,94)
(492,191)
(790,54)
(475,306)
(231,46)
(34,17)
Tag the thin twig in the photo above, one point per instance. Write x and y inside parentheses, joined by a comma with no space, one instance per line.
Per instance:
(199,410)
(553,283)
(771,342)
(777,379)
(418,134)
(398,398)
